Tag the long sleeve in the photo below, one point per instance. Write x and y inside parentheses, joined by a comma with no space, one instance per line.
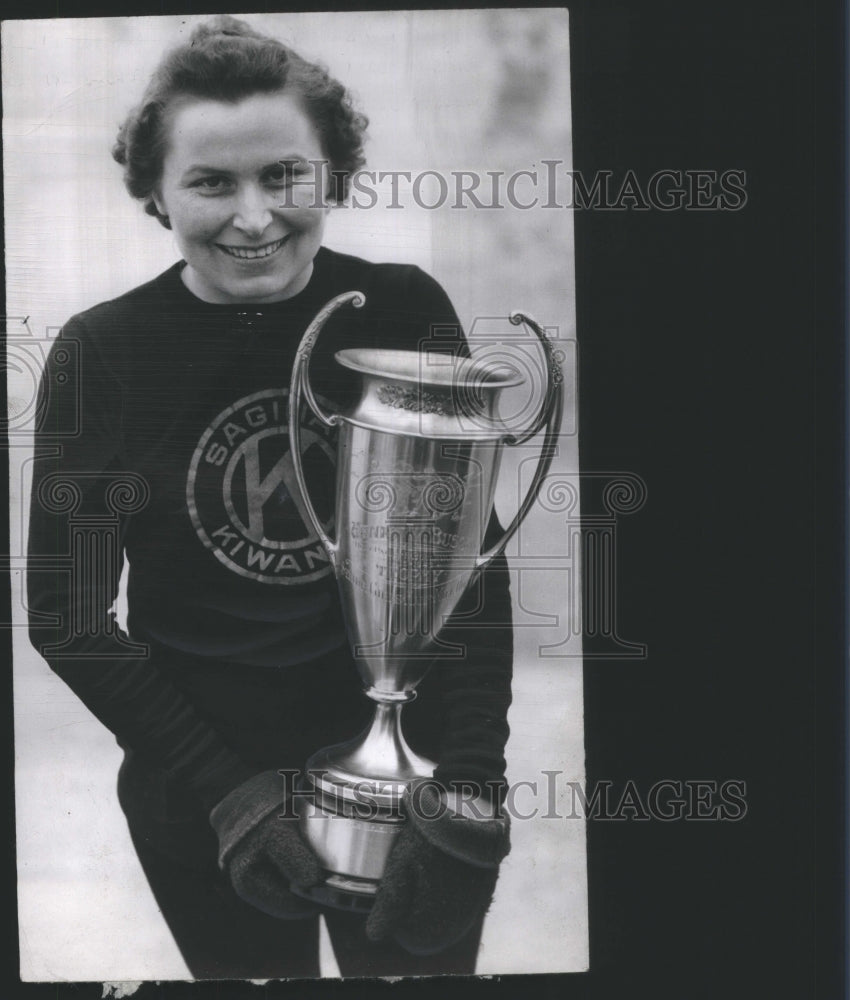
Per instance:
(83,500)
(476,687)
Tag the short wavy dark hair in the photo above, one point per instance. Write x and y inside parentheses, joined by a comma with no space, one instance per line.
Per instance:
(226,60)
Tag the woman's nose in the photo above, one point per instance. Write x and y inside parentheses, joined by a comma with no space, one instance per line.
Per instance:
(253,215)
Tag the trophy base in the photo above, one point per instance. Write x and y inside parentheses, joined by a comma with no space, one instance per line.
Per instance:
(352,821)
(352,838)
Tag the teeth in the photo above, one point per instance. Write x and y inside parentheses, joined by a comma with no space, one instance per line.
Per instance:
(247,254)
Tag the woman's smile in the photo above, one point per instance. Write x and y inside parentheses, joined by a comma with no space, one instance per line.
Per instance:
(253,253)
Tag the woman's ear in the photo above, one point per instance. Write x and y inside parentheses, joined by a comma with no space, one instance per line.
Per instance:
(158,205)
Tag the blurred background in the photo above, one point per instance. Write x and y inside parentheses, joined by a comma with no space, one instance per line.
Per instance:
(485,92)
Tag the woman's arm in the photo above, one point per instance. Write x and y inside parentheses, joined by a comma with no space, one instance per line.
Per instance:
(81,506)
(476,688)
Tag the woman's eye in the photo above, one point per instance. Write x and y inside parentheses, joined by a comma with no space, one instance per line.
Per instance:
(281,174)
(211,185)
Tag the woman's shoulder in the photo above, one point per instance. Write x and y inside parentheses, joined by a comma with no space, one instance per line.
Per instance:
(129,335)
(404,304)
(384,278)
(126,309)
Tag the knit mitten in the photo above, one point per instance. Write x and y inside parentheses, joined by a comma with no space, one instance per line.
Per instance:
(263,853)
(440,876)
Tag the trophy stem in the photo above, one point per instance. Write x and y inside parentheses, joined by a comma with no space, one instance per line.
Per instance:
(379,757)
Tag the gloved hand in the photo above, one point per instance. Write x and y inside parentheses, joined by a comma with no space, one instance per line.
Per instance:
(262,853)
(440,876)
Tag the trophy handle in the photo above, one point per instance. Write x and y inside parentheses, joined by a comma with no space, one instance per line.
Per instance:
(299,385)
(550,413)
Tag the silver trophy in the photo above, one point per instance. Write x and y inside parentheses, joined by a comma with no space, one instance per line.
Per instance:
(418,457)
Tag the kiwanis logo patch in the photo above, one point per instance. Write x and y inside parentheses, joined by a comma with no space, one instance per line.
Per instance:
(243,498)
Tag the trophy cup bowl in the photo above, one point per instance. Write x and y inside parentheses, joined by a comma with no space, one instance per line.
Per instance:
(418,460)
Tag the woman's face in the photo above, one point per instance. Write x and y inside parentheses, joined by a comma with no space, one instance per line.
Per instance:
(243,199)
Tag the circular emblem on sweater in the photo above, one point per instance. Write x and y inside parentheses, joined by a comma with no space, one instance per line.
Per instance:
(243,498)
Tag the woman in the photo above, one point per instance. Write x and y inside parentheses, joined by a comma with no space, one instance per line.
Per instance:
(236,665)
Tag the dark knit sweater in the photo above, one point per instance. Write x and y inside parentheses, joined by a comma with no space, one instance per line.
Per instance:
(169,444)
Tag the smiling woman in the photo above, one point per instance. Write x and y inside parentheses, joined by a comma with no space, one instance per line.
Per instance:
(164,461)
(235,666)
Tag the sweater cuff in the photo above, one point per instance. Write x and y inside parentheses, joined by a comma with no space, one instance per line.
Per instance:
(244,808)
(476,783)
